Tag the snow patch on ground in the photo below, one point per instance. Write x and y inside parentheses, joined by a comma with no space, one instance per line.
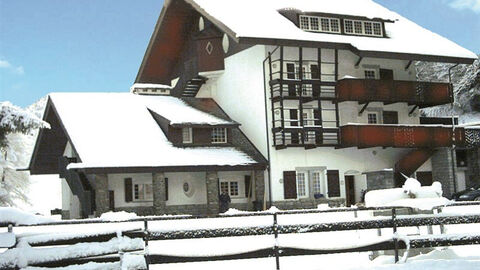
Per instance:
(17,216)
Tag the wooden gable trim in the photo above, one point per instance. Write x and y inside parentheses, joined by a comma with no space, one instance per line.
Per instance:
(49,108)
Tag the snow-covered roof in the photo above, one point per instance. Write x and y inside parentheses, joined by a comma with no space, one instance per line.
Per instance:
(117,130)
(261,19)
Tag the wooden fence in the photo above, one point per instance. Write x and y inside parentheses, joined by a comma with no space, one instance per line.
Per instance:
(387,218)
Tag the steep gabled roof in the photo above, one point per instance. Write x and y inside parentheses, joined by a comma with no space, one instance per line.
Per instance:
(116,130)
(264,22)
(251,22)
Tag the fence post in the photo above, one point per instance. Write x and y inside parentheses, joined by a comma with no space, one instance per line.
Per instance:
(275,231)
(395,240)
(10,227)
(442,227)
(145,239)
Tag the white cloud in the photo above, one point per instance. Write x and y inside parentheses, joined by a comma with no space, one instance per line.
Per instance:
(466,4)
(19,70)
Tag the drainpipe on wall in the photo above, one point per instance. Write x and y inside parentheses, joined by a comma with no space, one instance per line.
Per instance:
(267,132)
(452,150)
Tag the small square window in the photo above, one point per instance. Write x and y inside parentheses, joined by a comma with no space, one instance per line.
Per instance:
(304,23)
(219,135)
(348,26)
(377,29)
(142,192)
(358,27)
(372,118)
(368,28)
(187,135)
(314,23)
(325,24)
(232,188)
(335,25)
(370,74)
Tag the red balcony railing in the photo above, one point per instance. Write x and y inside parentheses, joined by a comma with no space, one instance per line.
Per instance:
(401,136)
(423,94)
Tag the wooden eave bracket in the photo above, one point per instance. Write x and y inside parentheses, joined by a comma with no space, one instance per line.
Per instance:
(363,108)
(358,62)
(408,65)
(412,110)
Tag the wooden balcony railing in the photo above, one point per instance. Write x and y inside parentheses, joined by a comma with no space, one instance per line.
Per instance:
(400,136)
(423,94)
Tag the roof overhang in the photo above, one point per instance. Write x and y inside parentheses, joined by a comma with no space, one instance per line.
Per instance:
(203,168)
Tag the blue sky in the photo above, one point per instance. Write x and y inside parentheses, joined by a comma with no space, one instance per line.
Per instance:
(98,45)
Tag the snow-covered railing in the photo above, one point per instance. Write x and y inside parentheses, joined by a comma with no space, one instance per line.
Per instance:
(139,229)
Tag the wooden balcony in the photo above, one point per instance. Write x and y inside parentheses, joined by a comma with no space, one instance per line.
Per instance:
(399,136)
(422,94)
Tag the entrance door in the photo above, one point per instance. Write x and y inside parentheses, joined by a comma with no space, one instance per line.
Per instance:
(390,117)
(333,183)
(350,189)
(386,74)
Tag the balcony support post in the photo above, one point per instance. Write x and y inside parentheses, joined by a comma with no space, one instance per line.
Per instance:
(412,110)
(408,65)
(282,113)
(358,62)
(300,101)
(363,108)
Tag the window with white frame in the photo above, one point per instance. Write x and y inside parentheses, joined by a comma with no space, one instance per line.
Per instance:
(370,74)
(219,135)
(302,187)
(372,118)
(365,28)
(319,24)
(317,182)
(187,135)
(142,192)
(229,187)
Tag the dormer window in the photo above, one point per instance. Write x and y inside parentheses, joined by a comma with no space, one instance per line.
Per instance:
(319,24)
(187,135)
(364,28)
(219,135)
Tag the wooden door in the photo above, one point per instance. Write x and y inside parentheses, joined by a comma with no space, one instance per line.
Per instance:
(386,74)
(425,178)
(290,185)
(111,200)
(350,189)
(390,117)
(333,183)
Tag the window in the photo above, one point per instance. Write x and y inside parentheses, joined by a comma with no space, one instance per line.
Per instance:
(365,28)
(317,187)
(319,24)
(372,118)
(230,187)
(370,74)
(302,185)
(142,192)
(219,135)
(187,135)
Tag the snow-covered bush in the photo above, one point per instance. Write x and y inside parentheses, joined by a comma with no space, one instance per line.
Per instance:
(18,128)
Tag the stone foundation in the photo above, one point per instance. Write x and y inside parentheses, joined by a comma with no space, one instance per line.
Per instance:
(380,180)
(101,194)
(472,176)
(307,203)
(139,210)
(212,193)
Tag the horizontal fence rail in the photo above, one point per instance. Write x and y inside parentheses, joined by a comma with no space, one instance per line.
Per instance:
(382,218)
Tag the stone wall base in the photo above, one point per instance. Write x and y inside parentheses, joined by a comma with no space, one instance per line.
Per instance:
(139,210)
(307,203)
(188,209)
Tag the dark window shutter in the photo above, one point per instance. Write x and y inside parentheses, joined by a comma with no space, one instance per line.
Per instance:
(293,116)
(166,189)
(333,182)
(315,72)
(248,180)
(128,189)
(290,185)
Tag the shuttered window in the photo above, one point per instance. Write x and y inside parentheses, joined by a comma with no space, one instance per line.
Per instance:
(333,182)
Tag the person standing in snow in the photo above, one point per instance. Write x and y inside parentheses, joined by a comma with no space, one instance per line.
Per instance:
(224,199)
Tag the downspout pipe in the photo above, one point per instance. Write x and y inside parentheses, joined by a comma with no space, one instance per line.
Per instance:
(266,129)
(452,150)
